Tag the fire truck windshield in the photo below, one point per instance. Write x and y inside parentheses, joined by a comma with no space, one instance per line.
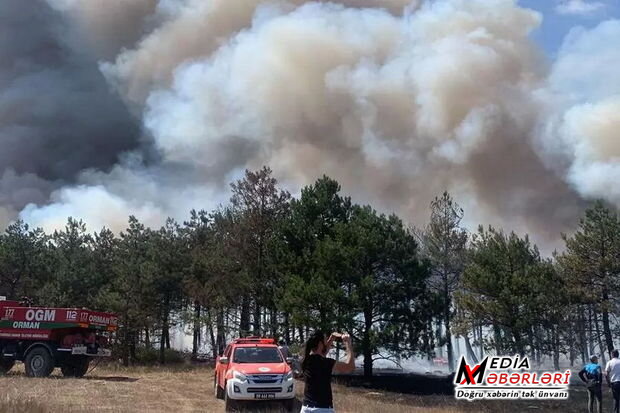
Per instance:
(257,355)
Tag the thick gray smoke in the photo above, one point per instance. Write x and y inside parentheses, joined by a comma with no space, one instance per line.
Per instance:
(57,115)
(399,100)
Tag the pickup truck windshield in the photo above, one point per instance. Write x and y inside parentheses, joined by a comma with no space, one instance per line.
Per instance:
(257,355)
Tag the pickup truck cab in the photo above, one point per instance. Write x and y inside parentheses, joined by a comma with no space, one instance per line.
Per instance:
(254,369)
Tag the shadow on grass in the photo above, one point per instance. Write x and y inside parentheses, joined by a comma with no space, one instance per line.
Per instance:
(265,407)
(418,384)
(112,378)
(110,366)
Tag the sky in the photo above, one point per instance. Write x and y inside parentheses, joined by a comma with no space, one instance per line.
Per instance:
(560,16)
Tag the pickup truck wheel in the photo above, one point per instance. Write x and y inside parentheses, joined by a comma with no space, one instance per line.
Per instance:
(219,392)
(39,362)
(6,365)
(230,404)
(76,366)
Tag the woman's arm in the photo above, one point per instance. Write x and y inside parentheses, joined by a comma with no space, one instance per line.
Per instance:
(349,365)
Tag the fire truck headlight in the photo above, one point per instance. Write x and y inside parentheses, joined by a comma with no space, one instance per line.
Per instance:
(240,376)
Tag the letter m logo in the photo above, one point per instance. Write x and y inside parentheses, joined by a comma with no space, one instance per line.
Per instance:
(470,375)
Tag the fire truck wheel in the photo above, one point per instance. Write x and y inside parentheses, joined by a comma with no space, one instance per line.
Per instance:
(76,366)
(39,362)
(219,392)
(6,365)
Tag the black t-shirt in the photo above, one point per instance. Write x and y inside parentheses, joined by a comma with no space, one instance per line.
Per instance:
(318,376)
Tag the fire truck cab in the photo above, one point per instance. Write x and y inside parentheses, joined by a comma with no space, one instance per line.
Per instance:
(254,369)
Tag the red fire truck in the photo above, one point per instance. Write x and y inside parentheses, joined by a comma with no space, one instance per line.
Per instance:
(44,338)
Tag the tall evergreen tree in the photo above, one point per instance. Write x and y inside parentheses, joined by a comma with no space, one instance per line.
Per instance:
(499,284)
(23,253)
(444,244)
(258,204)
(592,258)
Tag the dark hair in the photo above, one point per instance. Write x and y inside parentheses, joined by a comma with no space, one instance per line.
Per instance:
(615,353)
(313,342)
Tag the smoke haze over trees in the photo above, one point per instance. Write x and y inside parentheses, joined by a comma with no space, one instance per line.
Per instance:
(270,264)
(149,108)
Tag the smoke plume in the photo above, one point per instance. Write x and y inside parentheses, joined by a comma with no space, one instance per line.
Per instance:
(399,100)
(57,116)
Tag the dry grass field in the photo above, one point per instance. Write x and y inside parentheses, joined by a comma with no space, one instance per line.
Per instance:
(189,389)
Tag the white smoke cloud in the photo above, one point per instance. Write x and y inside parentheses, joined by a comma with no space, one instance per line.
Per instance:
(584,98)
(398,100)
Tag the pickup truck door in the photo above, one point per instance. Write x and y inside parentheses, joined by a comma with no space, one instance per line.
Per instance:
(221,368)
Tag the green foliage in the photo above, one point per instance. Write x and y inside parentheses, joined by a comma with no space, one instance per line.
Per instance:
(269,264)
(444,245)
(23,261)
(300,257)
(505,285)
(150,355)
(591,264)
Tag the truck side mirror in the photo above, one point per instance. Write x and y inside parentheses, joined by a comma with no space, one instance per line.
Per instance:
(289,360)
(223,360)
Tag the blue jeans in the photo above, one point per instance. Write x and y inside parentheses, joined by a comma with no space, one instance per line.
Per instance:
(615,389)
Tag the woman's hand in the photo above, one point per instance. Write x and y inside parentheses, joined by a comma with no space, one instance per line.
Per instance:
(346,339)
(330,341)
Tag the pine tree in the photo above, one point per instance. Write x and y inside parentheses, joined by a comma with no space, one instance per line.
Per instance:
(444,244)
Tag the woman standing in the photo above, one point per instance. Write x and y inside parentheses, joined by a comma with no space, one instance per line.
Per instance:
(317,370)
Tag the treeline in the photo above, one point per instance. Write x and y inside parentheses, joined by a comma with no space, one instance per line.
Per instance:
(270,264)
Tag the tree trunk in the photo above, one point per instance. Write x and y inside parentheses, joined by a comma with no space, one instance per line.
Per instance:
(287,328)
(582,337)
(438,333)
(244,324)
(164,331)
(598,337)
(211,333)
(132,346)
(126,346)
(498,340)
(221,333)
(447,317)
(481,341)
(518,342)
(125,343)
(470,351)
(591,330)
(556,348)
(366,345)
(257,320)
(196,336)
(273,318)
(606,329)
(367,363)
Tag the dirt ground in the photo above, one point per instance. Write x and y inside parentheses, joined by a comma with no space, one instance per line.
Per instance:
(190,389)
